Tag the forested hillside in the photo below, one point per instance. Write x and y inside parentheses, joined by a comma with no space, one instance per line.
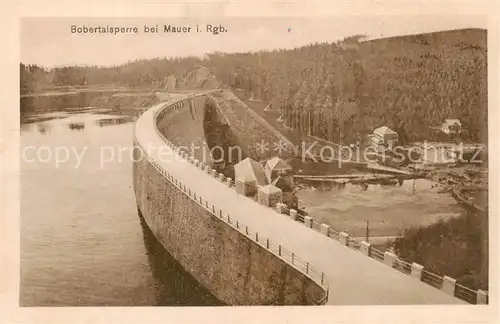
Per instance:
(407,83)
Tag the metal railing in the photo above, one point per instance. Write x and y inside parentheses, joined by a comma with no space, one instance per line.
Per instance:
(402,266)
(405,267)
(461,292)
(334,234)
(432,279)
(315,226)
(353,244)
(466,294)
(278,250)
(376,254)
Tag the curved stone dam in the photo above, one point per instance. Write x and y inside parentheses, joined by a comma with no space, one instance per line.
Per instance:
(224,255)
(243,252)
(221,131)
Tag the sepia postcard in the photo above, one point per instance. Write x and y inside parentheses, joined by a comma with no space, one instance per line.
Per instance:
(336,165)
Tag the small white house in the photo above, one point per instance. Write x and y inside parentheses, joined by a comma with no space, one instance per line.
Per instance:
(451,126)
(384,136)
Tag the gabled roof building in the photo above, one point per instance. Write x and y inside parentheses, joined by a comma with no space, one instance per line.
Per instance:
(248,176)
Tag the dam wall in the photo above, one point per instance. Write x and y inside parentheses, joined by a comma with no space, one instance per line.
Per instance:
(235,263)
(220,130)
(185,128)
(253,132)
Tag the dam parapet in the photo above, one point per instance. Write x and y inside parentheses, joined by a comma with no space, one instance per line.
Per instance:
(223,131)
(237,263)
(215,194)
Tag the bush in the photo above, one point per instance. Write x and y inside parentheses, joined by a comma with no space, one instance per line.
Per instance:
(457,247)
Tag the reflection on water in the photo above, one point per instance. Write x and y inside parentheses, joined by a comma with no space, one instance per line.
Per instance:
(82,243)
(76,126)
(43,128)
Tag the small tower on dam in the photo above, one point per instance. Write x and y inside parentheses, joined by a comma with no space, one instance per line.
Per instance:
(269,195)
(249,175)
(268,185)
(280,174)
(278,168)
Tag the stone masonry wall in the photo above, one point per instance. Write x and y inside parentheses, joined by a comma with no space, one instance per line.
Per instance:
(185,128)
(261,140)
(226,123)
(234,268)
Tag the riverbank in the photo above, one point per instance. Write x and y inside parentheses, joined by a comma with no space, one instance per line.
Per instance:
(54,101)
(468,184)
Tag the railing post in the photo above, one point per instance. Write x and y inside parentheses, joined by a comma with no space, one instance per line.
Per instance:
(267,243)
(246,229)
(257,236)
(390,259)
(322,277)
(325,229)
(293,257)
(365,248)
(416,270)
(307,267)
(279,250)
(343,238)
(237,224)
(482,297)
(449,285)
(308,221)
(228,218)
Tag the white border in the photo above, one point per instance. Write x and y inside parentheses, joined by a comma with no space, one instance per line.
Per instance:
(9,100)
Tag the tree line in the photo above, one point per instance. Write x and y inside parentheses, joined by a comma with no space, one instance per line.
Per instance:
(339,90)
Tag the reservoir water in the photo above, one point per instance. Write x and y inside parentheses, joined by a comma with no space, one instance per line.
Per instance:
(82,241)
(388,209)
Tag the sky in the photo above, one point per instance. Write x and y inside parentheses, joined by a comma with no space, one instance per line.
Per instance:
(49,41)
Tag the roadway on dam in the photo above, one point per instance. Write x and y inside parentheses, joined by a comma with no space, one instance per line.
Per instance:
(353,278)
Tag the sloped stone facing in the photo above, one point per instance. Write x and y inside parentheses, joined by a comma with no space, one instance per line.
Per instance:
(235,269)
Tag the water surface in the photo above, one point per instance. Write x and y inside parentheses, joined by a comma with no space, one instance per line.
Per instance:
(388,209)
(82,241)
